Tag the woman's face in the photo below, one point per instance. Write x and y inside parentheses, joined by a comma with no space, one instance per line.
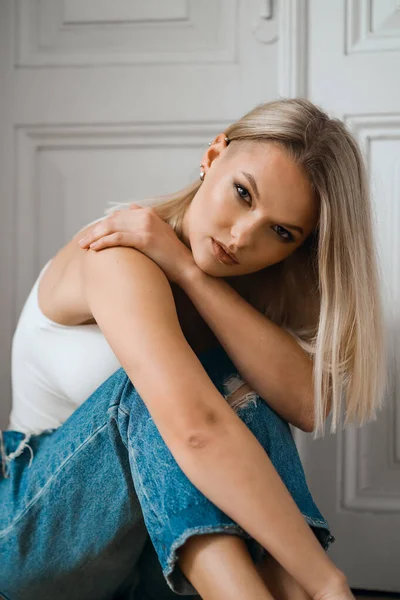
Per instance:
(255,200)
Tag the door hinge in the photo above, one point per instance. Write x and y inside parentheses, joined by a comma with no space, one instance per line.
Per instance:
(266,9)
(266,27)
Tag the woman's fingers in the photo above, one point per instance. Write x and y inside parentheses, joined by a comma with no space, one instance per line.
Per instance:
(94,234)
(112,224)
(115,239)
(120,228)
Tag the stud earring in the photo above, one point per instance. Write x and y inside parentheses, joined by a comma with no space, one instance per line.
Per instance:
(201,164)
(226,139)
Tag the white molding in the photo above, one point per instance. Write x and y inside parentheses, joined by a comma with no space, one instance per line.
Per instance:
(44,40)
(356,495)
(93,12)
(360,35)
(293,48)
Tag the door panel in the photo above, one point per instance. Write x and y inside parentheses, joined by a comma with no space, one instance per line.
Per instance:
(355,475)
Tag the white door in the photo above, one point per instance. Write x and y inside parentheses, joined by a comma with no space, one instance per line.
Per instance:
(354,72)
(111,100)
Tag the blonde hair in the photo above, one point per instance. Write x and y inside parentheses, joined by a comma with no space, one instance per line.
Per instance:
(327,293)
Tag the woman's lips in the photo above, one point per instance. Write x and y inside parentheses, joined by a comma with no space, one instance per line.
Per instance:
(221,255)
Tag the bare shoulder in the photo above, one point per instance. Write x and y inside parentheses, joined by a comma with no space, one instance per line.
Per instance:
(126,281)
(119,255)
(120,269)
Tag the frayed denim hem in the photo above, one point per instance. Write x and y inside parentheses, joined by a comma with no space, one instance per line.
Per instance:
(5,459)
(181,585)
(321,531)
(172,573)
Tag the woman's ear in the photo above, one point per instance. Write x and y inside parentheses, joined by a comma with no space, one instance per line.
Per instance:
(214,151)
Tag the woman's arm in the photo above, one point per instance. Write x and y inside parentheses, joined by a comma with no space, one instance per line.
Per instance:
(131,300)
(268,358)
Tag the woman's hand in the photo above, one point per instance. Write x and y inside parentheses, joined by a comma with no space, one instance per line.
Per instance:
(141,228)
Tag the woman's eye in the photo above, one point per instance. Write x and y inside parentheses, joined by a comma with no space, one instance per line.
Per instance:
(242,196)
(283,233)
(287,236)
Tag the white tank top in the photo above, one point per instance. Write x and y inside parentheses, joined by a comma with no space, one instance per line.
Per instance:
(54,368)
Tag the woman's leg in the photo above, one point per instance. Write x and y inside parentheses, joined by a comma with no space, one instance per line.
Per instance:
(175,514)
(43,508)
(217,565)
(220,566)
(71,524)
(280,583)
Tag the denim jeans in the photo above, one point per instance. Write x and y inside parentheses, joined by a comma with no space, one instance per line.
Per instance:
(79,503)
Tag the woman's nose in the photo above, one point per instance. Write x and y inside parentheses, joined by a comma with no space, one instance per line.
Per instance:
(244,233)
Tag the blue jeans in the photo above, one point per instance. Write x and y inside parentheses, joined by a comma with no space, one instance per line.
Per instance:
(79,503)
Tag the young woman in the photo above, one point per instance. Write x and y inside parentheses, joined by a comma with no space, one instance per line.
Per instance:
(281,325)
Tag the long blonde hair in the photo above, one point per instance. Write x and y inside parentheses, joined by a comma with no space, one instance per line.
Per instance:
(327,293)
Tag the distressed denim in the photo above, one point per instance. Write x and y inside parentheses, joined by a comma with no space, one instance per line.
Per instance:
(98,508)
